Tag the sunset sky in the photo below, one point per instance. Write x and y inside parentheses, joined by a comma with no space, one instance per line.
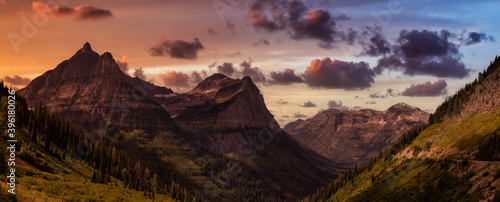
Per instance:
(305,55)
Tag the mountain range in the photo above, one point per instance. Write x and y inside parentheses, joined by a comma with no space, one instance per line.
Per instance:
(354,136)
(197,134)
(219,142)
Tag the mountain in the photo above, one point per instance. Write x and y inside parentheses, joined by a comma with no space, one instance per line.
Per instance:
(353,137)
(49,166)
(228,116)
(112,109)
(455,158)
(90,90)
(218,142)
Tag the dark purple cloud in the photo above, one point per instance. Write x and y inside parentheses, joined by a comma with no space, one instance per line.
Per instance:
(139,73)
(426,89)
(338,74)
(177,49)
(308,104)
(337,105)
(17,80)
(424,53)
(476,37)
(197,77)
(212,31)
(376,44)
(226,68)
(79,13)
(253,72)
(298,115)
(261,42)
(286,77)
(231,27)
(281,101)
(296,19)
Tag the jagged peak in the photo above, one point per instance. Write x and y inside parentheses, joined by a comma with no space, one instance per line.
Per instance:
(87,46)
(107,55)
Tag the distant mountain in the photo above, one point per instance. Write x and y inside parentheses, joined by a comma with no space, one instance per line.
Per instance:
(353,137)
(456,157)
(229,116)
(90,90)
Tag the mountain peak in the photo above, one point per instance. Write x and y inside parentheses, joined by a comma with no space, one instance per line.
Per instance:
(87,46)
(107,55)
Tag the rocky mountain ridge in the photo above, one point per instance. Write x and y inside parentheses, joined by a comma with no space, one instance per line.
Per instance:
(353,137)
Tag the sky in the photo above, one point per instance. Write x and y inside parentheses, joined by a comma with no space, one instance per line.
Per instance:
(304,55)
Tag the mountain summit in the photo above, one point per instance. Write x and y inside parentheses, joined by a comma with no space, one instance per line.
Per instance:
(91,90)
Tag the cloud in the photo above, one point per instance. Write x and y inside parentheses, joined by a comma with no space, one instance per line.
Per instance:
(139,73)
(173,78)
(426,89)
(371,103)
(246,69)
(123,64)
(337,105)
(254,72)
(389,93)
(308,104)
(237,53)
(226,68)
(296,19)
(212,31)
(424,53)
(376,45)
(231,27)
(476,37)
(286,77)
(285,116)
(341,16)
(261,42)
(197,77)
(177,49)
(298,115)
(79,13)
(281,101)
(17,80)
(338,74)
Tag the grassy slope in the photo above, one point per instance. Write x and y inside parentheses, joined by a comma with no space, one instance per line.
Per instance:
(439,150)
(65,179)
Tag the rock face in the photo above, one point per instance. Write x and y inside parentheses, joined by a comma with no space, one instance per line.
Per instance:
(352,137)
(229,116)
(90,90)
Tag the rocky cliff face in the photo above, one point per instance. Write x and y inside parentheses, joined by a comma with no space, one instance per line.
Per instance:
(352,137)
(90,90)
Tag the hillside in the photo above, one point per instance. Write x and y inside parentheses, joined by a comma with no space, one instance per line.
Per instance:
(48,171)
(455,158)
(353,137)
